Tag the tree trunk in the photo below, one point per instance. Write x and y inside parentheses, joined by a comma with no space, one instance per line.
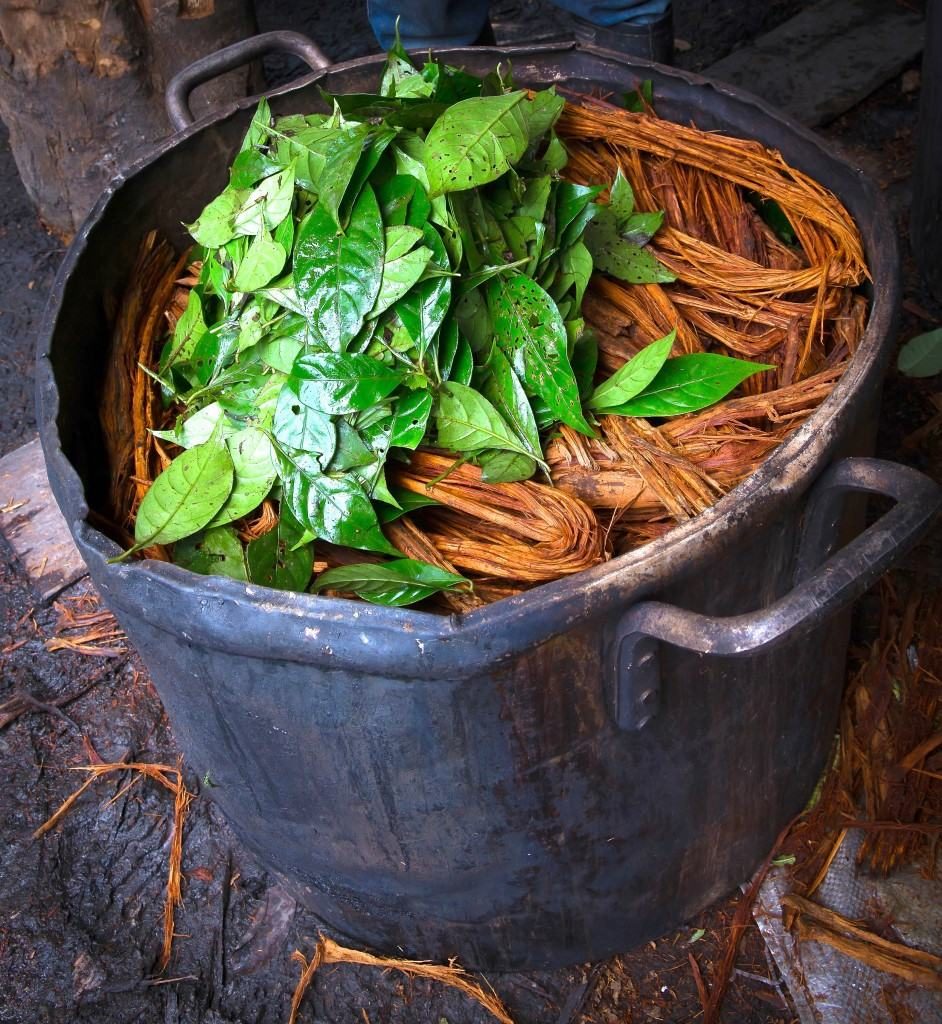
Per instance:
(82,83)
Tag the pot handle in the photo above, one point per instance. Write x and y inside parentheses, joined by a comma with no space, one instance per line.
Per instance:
(228,59)
(824,585)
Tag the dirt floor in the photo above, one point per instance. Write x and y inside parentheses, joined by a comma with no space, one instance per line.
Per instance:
(80,909)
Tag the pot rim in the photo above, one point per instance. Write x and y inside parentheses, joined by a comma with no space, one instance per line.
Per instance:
(558,604)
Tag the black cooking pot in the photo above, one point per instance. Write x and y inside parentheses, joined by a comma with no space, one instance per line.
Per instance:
(559,775)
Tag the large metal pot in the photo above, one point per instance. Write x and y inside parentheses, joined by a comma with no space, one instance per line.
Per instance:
(557,776)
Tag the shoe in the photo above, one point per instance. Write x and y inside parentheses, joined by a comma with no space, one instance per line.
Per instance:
(652,41)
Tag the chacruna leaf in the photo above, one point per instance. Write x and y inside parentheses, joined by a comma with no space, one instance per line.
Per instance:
(921,356)
(632,378)
(338,274)
(186,495)
(689,383)
(476,141)
(400,582)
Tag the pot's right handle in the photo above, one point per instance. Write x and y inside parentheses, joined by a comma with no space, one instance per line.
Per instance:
(232,57)
(821,590)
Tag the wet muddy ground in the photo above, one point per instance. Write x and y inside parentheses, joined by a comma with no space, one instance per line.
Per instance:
(80,909)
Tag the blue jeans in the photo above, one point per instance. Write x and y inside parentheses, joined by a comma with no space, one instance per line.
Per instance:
(443,23)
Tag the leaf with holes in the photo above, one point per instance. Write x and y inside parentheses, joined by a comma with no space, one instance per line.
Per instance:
(531,333)
(216,551)
(299,428)
(410,420)
(475,141)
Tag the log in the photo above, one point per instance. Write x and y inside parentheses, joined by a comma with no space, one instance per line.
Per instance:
(82,83)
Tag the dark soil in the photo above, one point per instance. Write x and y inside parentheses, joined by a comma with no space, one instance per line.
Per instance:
(80,909)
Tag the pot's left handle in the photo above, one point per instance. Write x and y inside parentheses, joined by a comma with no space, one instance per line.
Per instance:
(824,585)
(230,58)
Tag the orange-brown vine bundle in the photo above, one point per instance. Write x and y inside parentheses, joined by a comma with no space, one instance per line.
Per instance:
(740,291)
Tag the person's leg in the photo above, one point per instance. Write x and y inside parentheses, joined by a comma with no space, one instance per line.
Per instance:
(642,28)
(428,23)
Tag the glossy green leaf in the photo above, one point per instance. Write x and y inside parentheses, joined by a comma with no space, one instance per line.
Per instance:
(503,389)
(216,224)
(613,255)
(341,383)
(280,558)
(467,422)
(401,269)
(300,428)
(338,276)
(542,113)
(263,262)
(267,205)
(403,200)
(401,582)
(410,419)
(921,356)
(632,378)
(336,509)
(621,202)
(406,502)
(476,141)
(499,467)
(689,383)
(640,228)
(529,330)
(186,495)
(217,551)
(253,461)
(189,329)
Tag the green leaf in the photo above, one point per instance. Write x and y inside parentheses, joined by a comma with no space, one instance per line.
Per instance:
(407,501)
(190,328)
(467,422)
(476,141)
(216,224)
(542,113)
(640,228)
(499,467)
(529,329)
(215,552)
(336,509)
(338,276)
(253,460)
(400,582)
(257,135)
(402,266)
(186,495)
(575,272)
(267,205)
(585,358)
(410,420)
(280,558)
(921,356)
(632,378)
(462,366)
(612,254)
(263,262)
(197,428)
(621,202)
(403,200)
(423,309)
(689,383)
(638,100)
(336,383)
(302,429)
(574,209)
(503,389)
(249,167)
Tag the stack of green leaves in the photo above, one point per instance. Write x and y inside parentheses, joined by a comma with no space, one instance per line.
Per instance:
(407,269)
